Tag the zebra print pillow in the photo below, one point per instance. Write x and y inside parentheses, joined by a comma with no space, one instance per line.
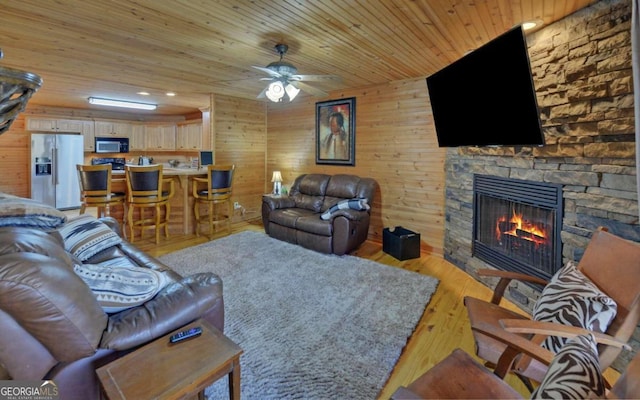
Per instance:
(574,372)
(572,299)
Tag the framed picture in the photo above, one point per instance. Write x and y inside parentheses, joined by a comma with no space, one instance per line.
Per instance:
(335,132)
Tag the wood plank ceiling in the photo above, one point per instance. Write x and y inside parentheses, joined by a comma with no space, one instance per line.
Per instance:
(196,47)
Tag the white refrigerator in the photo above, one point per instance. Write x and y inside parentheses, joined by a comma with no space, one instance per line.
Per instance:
(54,177)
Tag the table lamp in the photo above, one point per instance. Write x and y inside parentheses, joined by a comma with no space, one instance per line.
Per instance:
(277,182)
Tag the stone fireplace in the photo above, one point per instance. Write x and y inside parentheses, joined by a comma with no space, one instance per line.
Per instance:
(582,72)
(517,224)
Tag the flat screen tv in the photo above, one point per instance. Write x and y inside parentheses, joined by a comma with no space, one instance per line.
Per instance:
(487,98)
(206,158)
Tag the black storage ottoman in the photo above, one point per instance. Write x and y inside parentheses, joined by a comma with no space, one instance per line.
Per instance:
(401,243)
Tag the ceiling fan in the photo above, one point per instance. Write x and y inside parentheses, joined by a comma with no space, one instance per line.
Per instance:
(286,83)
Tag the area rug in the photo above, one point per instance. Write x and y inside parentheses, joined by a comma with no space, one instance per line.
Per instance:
(312,326)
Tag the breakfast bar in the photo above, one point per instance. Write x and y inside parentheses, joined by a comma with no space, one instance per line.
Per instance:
(181,218)
(184,190)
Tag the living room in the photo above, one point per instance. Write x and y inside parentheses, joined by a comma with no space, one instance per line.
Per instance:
(426,188)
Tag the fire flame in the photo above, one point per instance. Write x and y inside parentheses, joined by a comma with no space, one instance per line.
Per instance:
(519,224)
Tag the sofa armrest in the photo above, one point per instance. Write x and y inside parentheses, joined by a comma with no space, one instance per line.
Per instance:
(277,202)
(173,307)
(353,215)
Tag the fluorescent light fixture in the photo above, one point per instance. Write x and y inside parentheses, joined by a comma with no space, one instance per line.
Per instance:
(121,103)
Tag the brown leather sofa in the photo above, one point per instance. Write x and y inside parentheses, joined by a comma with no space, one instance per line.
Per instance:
(51,326)
(296,218)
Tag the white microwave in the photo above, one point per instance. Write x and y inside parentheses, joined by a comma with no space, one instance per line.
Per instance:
(112,145)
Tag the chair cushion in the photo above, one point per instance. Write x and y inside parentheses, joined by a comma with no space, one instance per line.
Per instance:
(354,204)
(117,288)
(21,212)
(85,236)
(571,298)
(574,372)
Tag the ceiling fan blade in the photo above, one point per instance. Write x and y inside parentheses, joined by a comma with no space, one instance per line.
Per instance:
(316,78)
(268,71)
(310,89)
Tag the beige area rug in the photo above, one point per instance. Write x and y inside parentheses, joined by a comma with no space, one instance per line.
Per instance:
(312,326)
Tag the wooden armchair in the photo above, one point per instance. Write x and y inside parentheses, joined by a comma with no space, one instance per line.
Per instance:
(460,376)
(610,262)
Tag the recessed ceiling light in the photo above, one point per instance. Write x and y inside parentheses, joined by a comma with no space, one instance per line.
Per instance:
(528,25)
(170,94)
(143,93)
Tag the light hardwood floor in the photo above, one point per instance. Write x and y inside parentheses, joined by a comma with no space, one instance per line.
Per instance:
(443,327)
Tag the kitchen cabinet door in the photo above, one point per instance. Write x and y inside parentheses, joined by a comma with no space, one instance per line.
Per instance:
(160,137)
(137,140)
(56,125)
(113,129)
(189,136)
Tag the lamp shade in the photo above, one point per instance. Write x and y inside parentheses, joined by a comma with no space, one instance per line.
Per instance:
(277,182)
(277,176)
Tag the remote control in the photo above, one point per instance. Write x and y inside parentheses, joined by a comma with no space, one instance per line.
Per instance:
(184,335)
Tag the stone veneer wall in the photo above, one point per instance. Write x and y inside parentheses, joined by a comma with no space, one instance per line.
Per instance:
(582,73)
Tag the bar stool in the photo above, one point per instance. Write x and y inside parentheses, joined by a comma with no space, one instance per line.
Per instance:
(146,189)
(95,189)
(217,192)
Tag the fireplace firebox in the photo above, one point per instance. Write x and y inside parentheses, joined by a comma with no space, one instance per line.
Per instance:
(517,224)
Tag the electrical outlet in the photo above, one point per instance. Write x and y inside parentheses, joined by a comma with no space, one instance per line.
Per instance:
(236,205)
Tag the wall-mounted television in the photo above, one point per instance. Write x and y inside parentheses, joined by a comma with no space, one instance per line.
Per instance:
(487,97)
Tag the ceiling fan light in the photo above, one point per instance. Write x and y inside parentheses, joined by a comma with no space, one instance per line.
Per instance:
(275,91)
(292,91)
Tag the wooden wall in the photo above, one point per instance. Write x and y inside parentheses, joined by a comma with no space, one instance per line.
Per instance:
(15,152)
(395,144)
(240,128)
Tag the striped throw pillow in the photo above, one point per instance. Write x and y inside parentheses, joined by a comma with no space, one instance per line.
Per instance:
(574,372)
(120,287)
(571,298)
(85,236)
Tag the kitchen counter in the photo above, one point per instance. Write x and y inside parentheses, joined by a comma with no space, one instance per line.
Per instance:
(182,203)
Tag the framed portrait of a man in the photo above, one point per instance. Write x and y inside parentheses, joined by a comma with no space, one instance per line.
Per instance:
(335,132)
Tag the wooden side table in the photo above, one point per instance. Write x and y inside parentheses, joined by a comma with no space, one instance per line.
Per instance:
(161,370)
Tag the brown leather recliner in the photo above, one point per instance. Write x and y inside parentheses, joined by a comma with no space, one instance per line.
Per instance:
(52,327)
(296,218)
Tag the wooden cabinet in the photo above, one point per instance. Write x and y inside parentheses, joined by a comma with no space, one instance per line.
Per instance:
(89,136)
(160,137)
(113,129)
(189,136)
(58,125)
(55,125)
(137,142)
